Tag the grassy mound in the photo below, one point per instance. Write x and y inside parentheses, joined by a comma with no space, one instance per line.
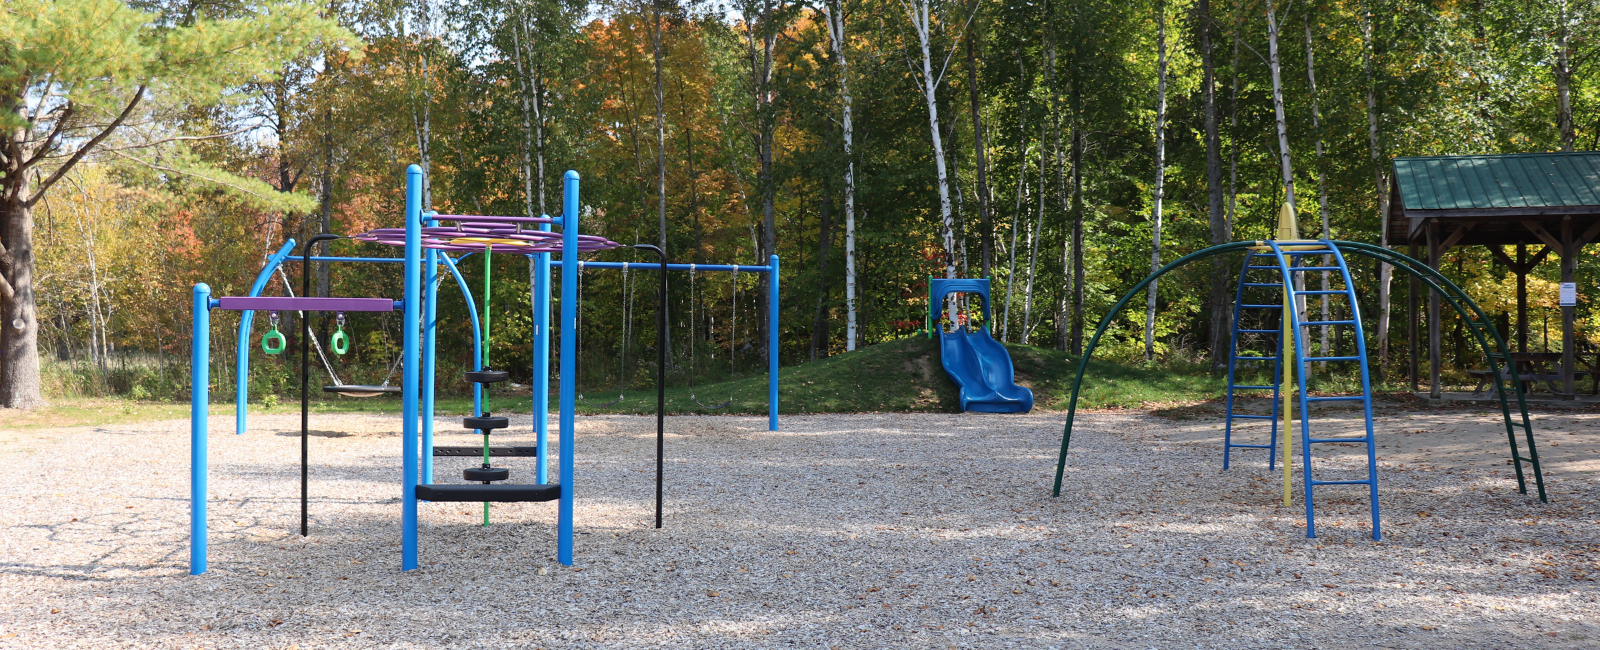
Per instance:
(905,375)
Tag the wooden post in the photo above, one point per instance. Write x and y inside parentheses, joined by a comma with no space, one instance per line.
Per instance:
(1412,286)
(1433,314)
(1522,297)
(1569,341)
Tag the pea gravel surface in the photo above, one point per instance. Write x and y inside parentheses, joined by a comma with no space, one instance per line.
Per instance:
(840,531)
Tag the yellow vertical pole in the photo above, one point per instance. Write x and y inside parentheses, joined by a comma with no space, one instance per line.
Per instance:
(1288,230)
(1287,430)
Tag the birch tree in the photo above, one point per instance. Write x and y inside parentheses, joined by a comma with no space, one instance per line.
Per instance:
(833,12)
(920,12)
(1161,176)
(1285,165)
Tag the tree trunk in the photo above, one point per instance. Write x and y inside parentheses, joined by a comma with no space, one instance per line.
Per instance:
(919,11)
(1287,167)
(19,325)
(837,35)
(1078,275)
(819,320)
(981,159)
(1016,222)
(1563,75)
(1322,188)
(1161,177)
(1221,323)
(1033,249)
(1381,184)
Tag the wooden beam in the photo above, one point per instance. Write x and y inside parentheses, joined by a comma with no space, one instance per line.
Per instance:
(1455,236)
(1503,258)
(1587,236)
(1544,236)
(1519,269)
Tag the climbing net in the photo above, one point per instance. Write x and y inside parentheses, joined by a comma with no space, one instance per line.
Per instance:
(477,233)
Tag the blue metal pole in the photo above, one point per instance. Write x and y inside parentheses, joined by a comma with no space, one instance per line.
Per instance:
(430,330)
(199,398)
(409,372)
(241,374)
(569,353)
(541,364)
(772,349)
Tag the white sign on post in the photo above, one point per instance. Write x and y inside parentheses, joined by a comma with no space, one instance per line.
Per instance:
(1569,294)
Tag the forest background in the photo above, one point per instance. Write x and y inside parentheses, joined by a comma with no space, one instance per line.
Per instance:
(1061,147)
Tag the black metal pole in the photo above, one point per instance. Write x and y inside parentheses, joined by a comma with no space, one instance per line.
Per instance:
(661,370)
(305,377)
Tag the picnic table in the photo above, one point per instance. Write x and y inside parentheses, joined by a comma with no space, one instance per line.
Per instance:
(1535,368)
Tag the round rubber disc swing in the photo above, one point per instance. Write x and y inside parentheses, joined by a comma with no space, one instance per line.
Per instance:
(340,341)
(273,341)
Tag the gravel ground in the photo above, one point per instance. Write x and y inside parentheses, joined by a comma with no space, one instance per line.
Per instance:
(858,531)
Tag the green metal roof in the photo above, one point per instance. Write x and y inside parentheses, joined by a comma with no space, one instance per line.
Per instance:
(1526,180)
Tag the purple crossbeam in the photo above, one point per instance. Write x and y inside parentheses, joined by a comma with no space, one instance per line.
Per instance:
(282,303)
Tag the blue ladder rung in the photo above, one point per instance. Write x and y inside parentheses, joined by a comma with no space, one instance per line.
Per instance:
(1298,269)
(1331,359)
(1240,416)
(1318,441)
(1354,398)
(1366,482)
(1318,293)
(1261,306)
(1316,251)
(1327,322)
(1258,331)
(1236,387)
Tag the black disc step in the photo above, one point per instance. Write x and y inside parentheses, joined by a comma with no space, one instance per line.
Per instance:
(485,473)
(487,376)
(501,493)
(477,452)
(485,423)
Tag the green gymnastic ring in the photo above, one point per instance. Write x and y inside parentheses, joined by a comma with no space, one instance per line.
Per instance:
(340,342)
(273,342)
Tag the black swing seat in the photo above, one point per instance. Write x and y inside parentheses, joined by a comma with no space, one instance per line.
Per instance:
(485,422)
(487,376)
(353,390)
(477,452)
(477,493)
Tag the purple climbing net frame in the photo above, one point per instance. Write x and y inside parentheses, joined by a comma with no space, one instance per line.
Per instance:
(477,233)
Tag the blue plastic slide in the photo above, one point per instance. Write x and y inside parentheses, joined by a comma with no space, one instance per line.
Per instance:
(977,363)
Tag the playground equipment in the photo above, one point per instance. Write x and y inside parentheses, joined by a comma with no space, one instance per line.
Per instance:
(977,363)
(1290,257)
(427,245)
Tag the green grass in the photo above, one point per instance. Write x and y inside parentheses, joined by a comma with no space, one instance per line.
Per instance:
(897,376)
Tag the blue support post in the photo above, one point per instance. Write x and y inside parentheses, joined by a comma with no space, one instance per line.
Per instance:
(241,388)
(541,362)
(772,346)
(569,352)
(199,398)
(430,329)
(409,372)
